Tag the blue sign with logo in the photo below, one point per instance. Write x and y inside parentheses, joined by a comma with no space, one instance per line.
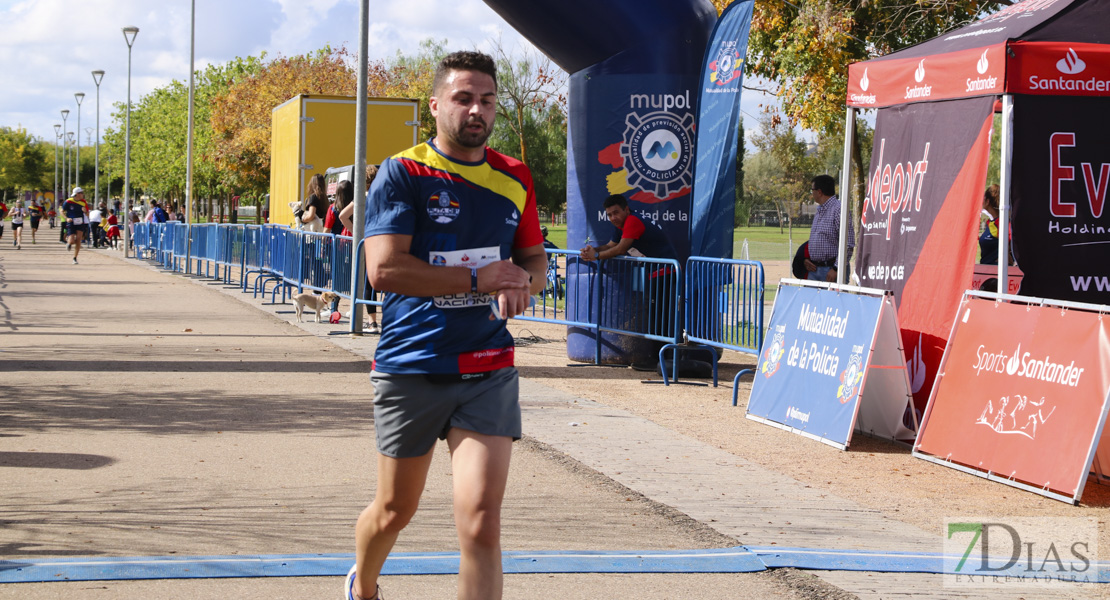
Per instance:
(810,374)
(712,208)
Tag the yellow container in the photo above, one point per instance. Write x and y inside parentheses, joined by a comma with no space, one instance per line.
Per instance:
(311,133)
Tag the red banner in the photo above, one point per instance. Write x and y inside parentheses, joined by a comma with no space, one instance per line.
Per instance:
(1023,393)
(919,220)
(961,74)
(1059,69)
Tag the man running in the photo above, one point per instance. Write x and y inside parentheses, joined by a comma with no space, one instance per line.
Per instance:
(37,212)
(76,220)
(453,239)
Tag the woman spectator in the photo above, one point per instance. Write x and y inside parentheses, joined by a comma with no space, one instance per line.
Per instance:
(315,206)
(988,240)
(346,216)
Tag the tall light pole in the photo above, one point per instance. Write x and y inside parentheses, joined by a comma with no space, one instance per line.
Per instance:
(57,140)
(189,151)
(129,34)
(77,177)
(65,153)
(97,76)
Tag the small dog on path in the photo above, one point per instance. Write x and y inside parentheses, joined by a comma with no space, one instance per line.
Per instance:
(313,302)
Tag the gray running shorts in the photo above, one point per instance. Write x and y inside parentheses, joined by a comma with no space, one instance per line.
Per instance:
(411,412)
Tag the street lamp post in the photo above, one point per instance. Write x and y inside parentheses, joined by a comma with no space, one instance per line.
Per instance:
(77,176)
(65,153)
(57,140)
(129,34)
(97,76)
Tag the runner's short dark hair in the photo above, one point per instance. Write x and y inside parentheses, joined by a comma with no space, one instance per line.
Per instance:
(464,60)
(615,200)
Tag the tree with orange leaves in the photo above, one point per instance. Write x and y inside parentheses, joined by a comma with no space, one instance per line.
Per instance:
(241,117)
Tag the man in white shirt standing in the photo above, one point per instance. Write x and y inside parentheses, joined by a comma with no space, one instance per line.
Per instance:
(95,217)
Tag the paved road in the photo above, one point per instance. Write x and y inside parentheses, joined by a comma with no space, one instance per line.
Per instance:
(144,413)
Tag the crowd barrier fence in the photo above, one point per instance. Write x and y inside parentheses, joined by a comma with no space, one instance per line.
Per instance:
(710,304)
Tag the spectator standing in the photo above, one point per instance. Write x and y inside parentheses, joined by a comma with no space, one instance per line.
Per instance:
(95,217)
(824,236)
(443,368)
(158,214)
(112,228)
(3,215)
(315,204)
(346,216)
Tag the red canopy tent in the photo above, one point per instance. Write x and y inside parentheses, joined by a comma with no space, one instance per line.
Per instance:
(1049,60)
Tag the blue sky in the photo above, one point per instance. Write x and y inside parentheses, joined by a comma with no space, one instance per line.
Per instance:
(48,48)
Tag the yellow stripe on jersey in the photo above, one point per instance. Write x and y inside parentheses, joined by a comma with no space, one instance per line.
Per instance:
(482,175)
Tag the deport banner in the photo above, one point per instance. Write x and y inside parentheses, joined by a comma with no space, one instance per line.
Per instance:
(815,354)
(1061,222)
(919,219)
(1022,395)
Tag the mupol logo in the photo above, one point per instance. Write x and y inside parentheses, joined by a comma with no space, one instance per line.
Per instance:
(658,152)
(1071,63)
(665,151)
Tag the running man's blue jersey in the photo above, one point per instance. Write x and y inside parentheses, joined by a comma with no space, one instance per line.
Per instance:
(458,214)
(74,209)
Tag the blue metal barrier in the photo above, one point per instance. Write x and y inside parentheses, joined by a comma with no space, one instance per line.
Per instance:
(359,266)
(711,304)
(724,309)
(550,307)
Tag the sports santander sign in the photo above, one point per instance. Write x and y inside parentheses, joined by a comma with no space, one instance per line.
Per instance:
(1025,403)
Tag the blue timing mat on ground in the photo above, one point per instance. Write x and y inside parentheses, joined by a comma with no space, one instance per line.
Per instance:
(739,559)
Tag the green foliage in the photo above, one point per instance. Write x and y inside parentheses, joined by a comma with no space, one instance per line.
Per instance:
(532,125)
(780,174)
(743,207)
(22,160)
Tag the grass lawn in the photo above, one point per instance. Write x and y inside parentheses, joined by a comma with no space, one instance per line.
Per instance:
(764,243)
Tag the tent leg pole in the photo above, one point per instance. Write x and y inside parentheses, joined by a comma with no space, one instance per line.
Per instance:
(1006,169)
(845,196)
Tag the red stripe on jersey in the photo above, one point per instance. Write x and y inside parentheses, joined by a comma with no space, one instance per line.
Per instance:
(486,360)
(528,232)
(421,170)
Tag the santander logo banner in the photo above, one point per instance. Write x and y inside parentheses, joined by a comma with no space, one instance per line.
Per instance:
(1022,393)
(960,74)
(1061,69)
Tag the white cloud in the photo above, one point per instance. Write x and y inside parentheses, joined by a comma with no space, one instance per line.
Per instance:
(48,48)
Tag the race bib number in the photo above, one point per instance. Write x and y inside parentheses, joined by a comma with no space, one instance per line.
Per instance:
(473,258)
(78,220)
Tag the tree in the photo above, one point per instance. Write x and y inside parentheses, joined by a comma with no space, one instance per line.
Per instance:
(410,77)
(532,124)
(788,167)
(743,208)
(804,49)
(22,160)
(241,116)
